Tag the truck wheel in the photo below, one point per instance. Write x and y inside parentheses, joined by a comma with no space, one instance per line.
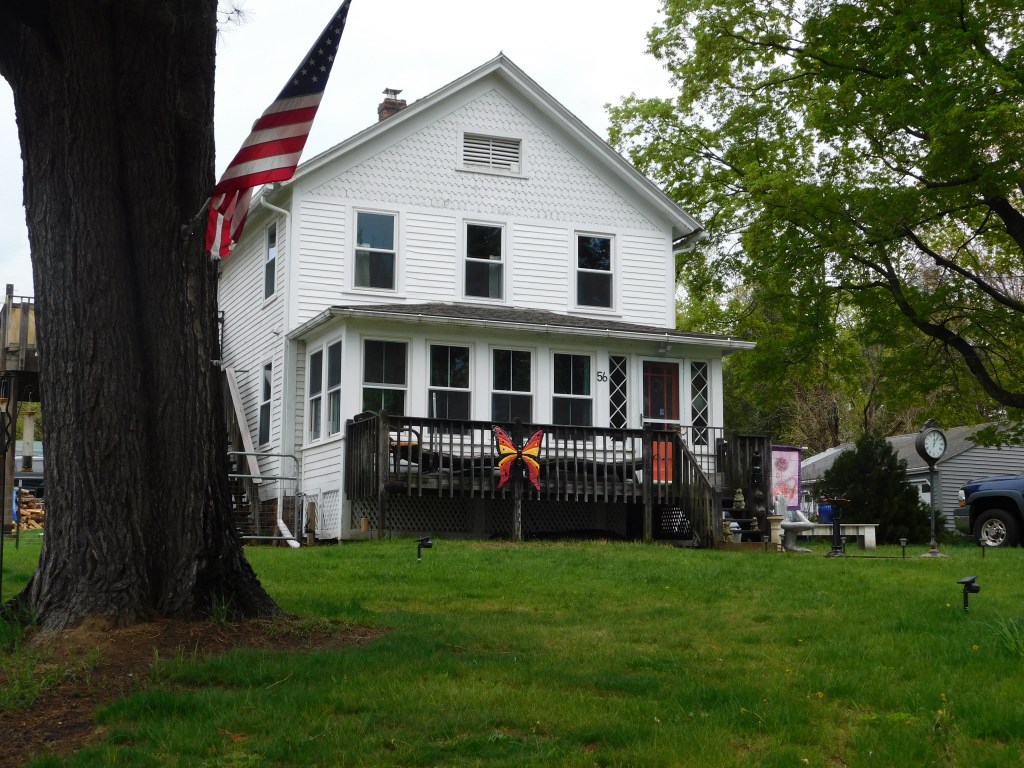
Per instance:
(996,528)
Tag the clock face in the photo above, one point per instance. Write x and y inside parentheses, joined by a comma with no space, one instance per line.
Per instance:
(935,444)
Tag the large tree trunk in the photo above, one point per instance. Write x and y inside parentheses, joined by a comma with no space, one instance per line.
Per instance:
(115,116)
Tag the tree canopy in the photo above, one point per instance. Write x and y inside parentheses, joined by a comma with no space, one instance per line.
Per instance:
(858,166)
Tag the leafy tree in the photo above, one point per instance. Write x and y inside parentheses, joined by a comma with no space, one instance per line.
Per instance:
(852,159)
(875,483)
(114,103)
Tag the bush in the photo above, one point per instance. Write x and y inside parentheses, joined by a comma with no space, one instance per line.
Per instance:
(875,482)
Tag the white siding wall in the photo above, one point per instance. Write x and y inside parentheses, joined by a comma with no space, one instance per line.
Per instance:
(429,258)
(254,328)
(647,281)
(320,271)
(541,258)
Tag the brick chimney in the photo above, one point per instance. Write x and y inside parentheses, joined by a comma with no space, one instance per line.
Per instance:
(391,105)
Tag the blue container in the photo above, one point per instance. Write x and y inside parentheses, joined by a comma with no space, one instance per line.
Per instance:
(825,513)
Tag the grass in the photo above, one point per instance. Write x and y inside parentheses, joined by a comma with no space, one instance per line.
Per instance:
(583,654)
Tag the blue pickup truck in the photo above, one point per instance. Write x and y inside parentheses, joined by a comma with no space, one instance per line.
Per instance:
(992,510)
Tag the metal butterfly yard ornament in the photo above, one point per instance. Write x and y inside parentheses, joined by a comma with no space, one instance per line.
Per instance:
(509,455)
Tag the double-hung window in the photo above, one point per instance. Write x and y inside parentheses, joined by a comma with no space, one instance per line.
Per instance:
(375,251)
(266,390)
(270,263)
(449,382)
(484,261)
(572,402)
(511,386)
(594,274)
(325,382)
(384,376)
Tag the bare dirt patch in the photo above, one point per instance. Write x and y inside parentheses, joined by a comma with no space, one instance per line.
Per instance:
(93,665)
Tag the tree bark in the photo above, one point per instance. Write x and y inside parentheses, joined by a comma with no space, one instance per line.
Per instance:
(114,102)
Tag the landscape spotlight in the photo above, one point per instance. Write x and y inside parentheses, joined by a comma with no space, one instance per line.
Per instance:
(970,587)
(426,543)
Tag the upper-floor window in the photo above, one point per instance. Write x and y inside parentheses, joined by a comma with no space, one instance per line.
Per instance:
(511,386)
(484,261)
(491,153)
(384,376)
(270,263)
(594,275)
(266,390)
(375,250)
(572,402)
(325,381)
(449,382)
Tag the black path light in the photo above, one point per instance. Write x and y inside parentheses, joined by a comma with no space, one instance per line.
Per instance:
(425,543)
(971,587)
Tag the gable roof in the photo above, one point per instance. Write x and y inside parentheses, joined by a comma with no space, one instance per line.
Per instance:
(904,446)
(685,229)
(536,320)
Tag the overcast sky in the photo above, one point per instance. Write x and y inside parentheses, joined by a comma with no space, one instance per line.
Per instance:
(584,53)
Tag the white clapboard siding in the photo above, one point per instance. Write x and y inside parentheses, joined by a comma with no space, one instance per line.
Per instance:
(540,270)
(322,256)
(646,274)
(249,340)
(428,262)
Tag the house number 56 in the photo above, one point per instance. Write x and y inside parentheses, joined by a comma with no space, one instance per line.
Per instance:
(602,376)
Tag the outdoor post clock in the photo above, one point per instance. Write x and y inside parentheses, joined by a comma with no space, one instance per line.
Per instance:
(931,442)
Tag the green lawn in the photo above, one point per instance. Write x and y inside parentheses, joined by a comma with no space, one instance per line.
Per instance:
(583,654)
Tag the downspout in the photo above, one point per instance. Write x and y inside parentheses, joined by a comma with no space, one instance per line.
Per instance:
(287,396)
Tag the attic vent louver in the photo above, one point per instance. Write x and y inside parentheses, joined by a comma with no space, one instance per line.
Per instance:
(491,153)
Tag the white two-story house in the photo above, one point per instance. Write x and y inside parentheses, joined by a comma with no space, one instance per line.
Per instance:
(475,258)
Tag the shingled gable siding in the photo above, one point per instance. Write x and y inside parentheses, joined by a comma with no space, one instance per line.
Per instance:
(322,256)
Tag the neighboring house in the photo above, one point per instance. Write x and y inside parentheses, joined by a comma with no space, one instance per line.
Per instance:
(476,257)
(962,461)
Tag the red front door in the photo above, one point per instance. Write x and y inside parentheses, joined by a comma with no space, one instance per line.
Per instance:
(661,410)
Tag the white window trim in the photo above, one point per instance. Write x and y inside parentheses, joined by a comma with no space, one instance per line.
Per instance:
(363,383)
(613,272)
(505,261)
(491,391)
(484,133)
(268,298)
(592,397)
(472,372)
(325,434)
(268,402)
(356,210)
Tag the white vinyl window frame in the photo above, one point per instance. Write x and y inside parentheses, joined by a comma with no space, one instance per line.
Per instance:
(371,253)
(385,384)
(588,273)
(572,388)
(270,262)
(515,388)
(449,379)
(323,411)
(482,151)
(266,393)
(475,263)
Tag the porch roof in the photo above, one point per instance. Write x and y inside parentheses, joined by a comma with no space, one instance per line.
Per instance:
(536,320)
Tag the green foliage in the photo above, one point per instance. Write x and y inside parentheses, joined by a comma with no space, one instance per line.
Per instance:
(857,167)
(875,483)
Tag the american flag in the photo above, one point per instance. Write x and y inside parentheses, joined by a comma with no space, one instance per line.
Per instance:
(272,150)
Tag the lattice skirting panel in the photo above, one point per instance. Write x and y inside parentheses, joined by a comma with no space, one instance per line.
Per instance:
(328,514)
(487,517)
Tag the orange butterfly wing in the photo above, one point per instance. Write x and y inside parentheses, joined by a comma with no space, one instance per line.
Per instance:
(531,457)
(507,454)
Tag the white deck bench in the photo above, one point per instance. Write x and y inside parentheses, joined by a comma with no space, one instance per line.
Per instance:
(865,532)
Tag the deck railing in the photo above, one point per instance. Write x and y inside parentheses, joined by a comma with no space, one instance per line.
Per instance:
(388,456)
